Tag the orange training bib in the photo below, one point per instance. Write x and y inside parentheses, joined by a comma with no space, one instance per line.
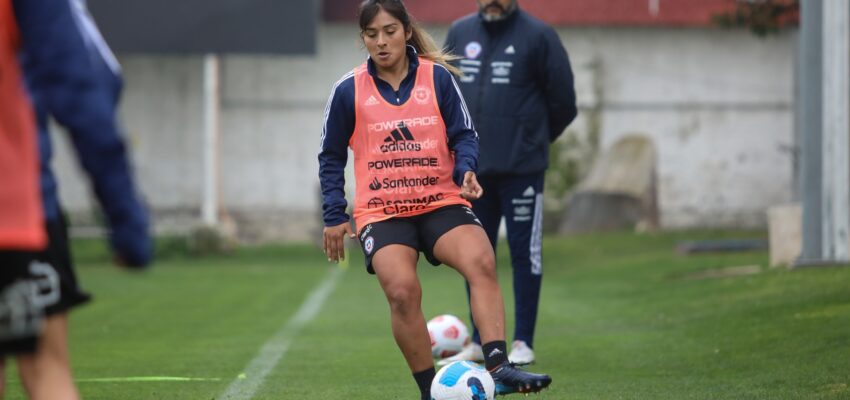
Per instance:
(402,163)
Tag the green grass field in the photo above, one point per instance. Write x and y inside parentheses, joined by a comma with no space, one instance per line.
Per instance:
(622,317)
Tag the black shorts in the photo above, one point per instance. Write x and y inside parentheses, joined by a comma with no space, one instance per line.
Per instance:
(35,285)
(419,232)
(55,266)
(21,316)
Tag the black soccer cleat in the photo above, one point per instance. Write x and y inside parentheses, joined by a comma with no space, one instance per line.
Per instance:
(510,379)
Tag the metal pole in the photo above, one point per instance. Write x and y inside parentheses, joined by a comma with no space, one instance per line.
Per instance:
(796,147)
(836,130)
(209,205)
(809,106)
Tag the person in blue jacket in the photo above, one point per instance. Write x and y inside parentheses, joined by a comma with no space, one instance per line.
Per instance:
(73,77)
(518,85)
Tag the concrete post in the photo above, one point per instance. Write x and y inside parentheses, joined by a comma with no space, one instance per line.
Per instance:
(809,105)
(209,204)
(836,130)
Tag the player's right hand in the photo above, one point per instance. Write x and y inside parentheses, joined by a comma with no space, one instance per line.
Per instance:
(334,244)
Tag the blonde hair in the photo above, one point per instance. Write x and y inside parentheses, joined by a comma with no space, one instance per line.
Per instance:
(419,38)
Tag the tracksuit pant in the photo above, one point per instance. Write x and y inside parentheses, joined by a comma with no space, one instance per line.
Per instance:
(519,199)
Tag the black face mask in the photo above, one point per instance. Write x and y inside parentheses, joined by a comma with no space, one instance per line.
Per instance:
(496,5)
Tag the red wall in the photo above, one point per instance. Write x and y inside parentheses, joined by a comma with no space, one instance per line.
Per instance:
(561,12)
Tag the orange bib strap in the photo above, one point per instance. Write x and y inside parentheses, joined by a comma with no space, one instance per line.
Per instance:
(21,215)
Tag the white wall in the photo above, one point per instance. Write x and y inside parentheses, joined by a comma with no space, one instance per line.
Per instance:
(717,103)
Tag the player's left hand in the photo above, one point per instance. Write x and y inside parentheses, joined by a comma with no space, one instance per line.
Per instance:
(471,189)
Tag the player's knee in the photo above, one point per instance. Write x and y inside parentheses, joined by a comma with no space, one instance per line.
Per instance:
(404,299)
(483,265)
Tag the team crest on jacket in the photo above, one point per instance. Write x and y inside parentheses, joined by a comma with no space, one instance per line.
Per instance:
(473,50)
(421,94)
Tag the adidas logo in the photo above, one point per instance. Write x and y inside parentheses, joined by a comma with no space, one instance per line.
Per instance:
(399,134)
(510,50)
(372,101)
(494,353)
(528,192)
(400,140)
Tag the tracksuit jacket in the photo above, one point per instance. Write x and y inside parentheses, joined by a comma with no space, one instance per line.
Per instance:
(518,85)
(73,77)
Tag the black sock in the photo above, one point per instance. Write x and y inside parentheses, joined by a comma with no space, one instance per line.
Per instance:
(423,380)
(495,353)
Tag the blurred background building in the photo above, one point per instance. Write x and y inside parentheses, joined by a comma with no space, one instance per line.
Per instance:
(718,105)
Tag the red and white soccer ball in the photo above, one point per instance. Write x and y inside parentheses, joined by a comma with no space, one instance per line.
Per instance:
(448,335)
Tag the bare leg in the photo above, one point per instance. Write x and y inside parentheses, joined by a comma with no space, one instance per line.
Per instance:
(395,266)
(46,375)
(467,250)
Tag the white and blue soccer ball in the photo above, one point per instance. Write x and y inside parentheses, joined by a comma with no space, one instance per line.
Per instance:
(448,335)
(463,380)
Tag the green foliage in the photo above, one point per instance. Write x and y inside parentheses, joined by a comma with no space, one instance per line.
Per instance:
(572,155)
(567,164)
(762,17)
(569,159)
(621,317)
(209,240)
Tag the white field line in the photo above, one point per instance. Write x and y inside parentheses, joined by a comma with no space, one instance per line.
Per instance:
(146,379)
(253,376)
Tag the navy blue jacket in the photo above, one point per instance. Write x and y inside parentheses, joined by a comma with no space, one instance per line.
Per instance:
(339,126)
(73,76)
(518,84)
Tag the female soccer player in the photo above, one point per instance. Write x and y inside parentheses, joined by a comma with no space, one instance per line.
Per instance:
(415,155)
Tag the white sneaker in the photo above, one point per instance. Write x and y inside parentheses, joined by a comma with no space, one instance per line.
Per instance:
(520,353)
(471,352)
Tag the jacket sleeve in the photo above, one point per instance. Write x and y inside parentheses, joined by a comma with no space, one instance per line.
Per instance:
(333,154)
(463,140)
(75,77)
(557,84)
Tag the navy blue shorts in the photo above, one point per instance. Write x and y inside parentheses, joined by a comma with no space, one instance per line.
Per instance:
(419,232)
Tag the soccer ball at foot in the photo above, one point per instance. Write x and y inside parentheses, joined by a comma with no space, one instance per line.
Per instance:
(463,380)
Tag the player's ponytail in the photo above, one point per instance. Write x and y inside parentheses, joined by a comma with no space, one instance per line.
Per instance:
(419,38)
(427,48)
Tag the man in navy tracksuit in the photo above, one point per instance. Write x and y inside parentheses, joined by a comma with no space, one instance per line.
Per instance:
(73,77)
(518,85)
